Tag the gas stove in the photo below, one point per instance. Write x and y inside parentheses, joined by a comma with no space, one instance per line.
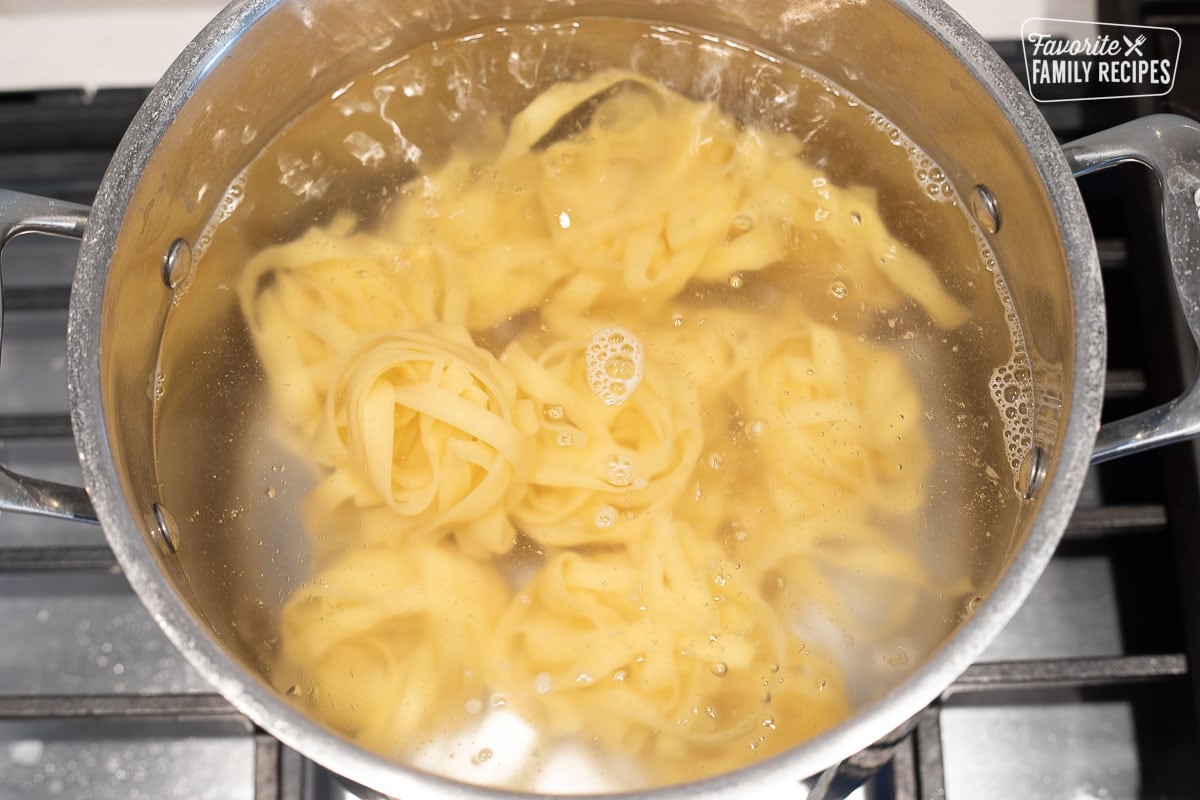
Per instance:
(1088,694)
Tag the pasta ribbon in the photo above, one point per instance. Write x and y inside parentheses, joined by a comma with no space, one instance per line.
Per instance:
(429,425)
(836,422)
(308,301)
(597,469)
(681,528)
(662,651)
(384,646)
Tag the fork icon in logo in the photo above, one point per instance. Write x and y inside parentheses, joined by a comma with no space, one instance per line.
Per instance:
(1132,47)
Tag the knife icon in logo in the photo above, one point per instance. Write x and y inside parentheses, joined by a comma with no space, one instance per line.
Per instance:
(1132,47)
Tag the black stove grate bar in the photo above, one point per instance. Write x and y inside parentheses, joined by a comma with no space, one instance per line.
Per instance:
(267,767)
(34,426)
(916,770)
(1088,523)
(206,706)
(78,558)
(1069,673)
(1124,384)
(37,298)
(927,742)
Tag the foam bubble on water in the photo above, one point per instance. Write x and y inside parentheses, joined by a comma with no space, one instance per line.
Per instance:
(929,175)
(225,207)
(1010,384)
(615,362)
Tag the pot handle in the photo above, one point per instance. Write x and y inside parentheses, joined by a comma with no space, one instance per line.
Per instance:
(1170,146)
(25,213)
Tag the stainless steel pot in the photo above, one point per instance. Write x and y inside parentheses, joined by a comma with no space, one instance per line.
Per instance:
(912,59)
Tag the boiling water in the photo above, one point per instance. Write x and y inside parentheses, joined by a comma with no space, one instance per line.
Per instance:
(358,146)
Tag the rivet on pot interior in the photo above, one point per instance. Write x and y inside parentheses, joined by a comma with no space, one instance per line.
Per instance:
(1031,472)
(167,527)
(985,208)
(177,263)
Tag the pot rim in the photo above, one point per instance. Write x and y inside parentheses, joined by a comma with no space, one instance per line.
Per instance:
(249,693)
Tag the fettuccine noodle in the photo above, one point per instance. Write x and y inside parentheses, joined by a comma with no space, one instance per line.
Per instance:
(438,373)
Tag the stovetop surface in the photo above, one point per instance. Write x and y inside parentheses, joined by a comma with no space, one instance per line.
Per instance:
(1086,694)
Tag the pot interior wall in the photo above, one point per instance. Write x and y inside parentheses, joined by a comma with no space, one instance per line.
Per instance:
(235,567)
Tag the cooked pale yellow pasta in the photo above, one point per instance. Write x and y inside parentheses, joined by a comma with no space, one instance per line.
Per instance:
(308,301)
(597,338)
(427,424)
(385,646)
(663,650)
(596,469)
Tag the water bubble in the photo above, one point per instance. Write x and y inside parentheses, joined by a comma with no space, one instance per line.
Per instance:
(618,470)
(736,280)
(473,706)
(720,668)
(483,756)
(856,219)
(271,492)
(293,691)
(543,683)
(769,722)
(619,367)
(839,290)
(553,413)
(715,461)
(614,364)
(743,222)
(565,439)
(605,517)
